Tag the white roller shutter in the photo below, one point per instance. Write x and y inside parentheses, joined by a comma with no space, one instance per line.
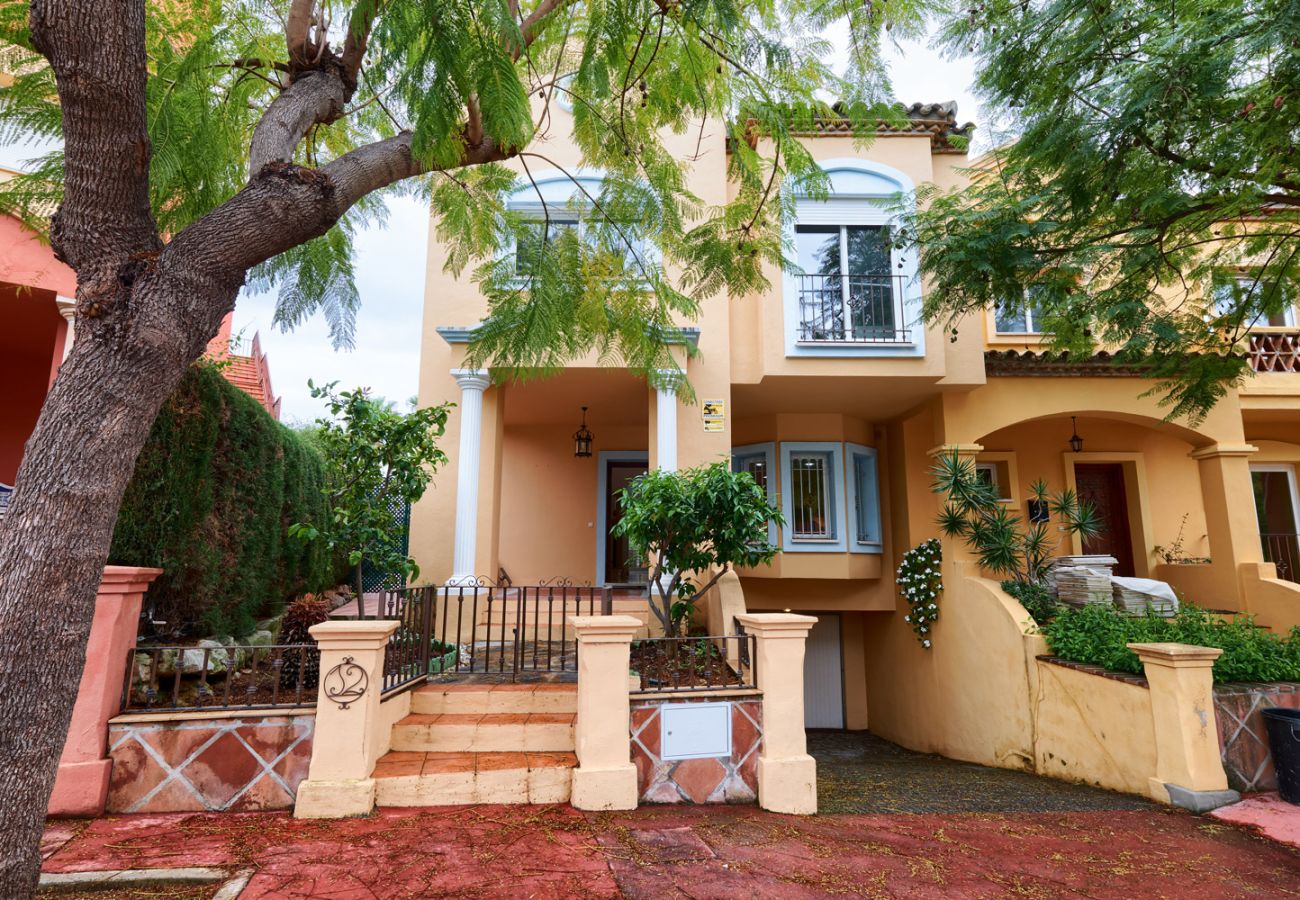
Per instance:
(823,675)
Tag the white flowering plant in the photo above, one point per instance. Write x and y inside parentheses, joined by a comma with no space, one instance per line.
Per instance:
(920,582)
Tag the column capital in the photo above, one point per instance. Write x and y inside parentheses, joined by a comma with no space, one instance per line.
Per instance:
(605,629)
(777,625)
(1216,451)
(67,307)
(963,450)
(350,634)
(671,378)
(472,379)
(1176,656)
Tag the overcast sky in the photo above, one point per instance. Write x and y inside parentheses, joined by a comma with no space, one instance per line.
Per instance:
(390,272)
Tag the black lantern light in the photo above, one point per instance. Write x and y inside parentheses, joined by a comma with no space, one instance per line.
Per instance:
(582,438)
(1076,442)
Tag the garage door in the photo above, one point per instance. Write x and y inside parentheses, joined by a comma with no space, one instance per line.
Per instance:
(823,675)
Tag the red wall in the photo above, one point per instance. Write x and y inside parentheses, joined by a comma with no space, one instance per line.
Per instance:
(31,334)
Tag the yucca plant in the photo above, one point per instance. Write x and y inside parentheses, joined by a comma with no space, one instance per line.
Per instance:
(1002,540)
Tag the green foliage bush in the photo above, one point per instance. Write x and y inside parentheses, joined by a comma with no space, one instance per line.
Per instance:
(1098,634)
(214,492)
(1034,597)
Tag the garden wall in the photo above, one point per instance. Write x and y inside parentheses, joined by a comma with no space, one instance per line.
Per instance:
(214,492)
(1093,726)
(1243,739)
(720,779)
(191,764)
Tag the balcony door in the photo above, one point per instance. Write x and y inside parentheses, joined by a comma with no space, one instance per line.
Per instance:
(847,292)
(1278,510)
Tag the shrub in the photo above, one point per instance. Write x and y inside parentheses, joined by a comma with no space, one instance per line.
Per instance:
(920,581)
(1098,634)
(302,614)
(1035,598)
(214,492)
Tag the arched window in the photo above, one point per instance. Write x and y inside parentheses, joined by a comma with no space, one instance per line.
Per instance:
(855,292)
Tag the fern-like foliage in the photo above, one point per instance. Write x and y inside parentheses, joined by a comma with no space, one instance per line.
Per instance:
(647,81)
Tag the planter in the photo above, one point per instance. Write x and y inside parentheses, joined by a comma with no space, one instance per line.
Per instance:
(1284,740)
(444,663)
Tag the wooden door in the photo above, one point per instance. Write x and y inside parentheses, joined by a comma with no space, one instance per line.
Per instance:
(1102,485)
(620,566)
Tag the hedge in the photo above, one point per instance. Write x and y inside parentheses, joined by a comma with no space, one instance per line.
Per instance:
(213,494)
(1097,634)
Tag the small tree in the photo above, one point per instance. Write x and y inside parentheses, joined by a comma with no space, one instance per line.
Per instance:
(708,518)
(372,453)
(1002,541)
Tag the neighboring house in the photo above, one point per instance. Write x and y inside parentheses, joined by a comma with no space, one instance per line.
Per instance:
(36,332)
(831,390)
(251,373)
(37,308)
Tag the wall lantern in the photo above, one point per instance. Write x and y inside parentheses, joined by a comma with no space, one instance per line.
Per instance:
(582,438)
(1076,442)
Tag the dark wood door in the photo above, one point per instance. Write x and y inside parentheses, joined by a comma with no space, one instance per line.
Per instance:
(620,565)
(1102,485)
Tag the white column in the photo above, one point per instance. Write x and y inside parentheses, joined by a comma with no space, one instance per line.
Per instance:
(68,309)
(666,425)
(473,382)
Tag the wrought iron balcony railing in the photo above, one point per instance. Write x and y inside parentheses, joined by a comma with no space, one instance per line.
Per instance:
(853,309)
(1283,550)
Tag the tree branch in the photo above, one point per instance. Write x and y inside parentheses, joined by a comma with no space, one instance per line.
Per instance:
(359,26)
(315,97)
(296,27)
(97,53)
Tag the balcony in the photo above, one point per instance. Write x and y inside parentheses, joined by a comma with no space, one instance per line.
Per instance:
(1274,351)
(1283,550)
(857,310)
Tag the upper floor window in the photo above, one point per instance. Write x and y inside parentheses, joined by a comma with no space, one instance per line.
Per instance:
(537,237)
(1234,293)
(847,292)
(759,460)
(831,498)
(1018,318)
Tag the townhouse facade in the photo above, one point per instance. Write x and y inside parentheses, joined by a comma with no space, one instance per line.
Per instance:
(834,393)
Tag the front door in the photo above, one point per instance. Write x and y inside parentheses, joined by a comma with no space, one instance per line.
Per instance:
(621,566)
(1102,485)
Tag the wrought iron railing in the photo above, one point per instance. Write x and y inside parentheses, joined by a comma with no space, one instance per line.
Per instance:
(1274,351)
(412,653)
(1283,550)
(239,676)
(856,309)
(695,663)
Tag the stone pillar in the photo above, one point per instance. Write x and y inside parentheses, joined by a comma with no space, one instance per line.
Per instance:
(1230,519)
(666,425)
(347,712)
(473,382)
(68,309)
(81,787)
(787,775)
(1189,770)
(605,777)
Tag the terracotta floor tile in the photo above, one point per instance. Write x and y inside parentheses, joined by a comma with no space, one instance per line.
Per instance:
(505,719)
(548,688)
(459,718)
(552,760)
(398,769)
(551,718)
(402,756)
(515,688)
(420,719)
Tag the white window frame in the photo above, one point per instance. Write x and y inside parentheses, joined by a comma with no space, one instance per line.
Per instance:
(768,452)
(1026,311)
(858,494)
(837,514)
(1287,469)
(1246,282)
(863,192)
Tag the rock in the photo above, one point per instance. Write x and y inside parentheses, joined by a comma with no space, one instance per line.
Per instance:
(261,638)
(218,658)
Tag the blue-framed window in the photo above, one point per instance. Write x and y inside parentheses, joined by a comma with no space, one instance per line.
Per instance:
(864,499)
(812,497)
(759,460)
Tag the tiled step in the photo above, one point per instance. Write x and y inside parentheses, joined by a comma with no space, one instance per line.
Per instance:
(448,779)
(435,699)
(490,733)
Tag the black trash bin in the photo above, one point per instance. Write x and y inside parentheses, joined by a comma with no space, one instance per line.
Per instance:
(1284,739)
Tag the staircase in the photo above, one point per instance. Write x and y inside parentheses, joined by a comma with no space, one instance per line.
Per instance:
(481,743)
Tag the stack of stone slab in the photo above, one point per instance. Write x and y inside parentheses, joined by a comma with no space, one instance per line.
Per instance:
(1081,580)
(1142,595)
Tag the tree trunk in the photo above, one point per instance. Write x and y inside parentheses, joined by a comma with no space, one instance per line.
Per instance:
(54,541)
(361,595)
